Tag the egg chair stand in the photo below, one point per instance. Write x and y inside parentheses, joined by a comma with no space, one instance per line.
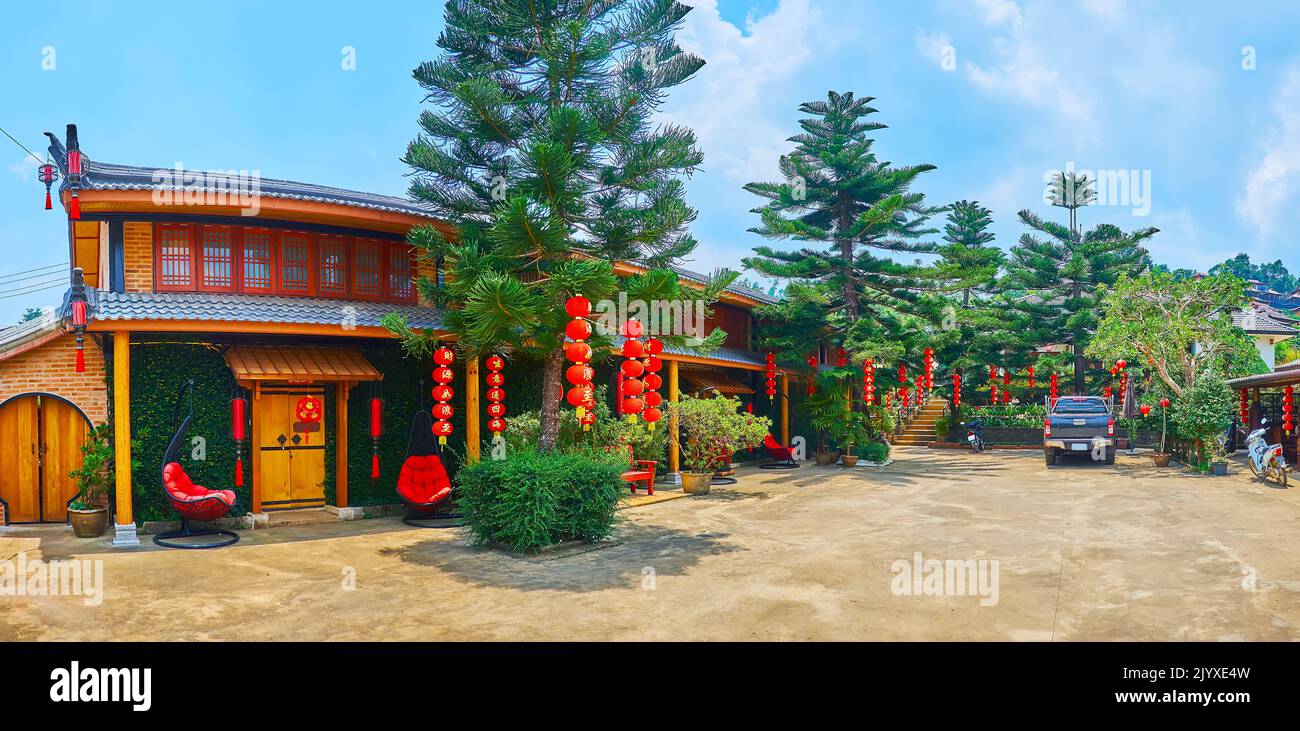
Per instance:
(191,501)
(423,484)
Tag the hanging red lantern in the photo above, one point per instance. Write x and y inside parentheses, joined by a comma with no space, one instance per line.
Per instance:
(47,174)
(1145,409)
(442,393)
(843,357)
(633,387)
(902,396)
(579,374)
(1245,407)
(1121,364)
(238,431)
(1030,372)
(869,381)
(1053,391)
(1288,409)
(1006,377)
(496,394)
(79,315)
(376,430)
(496,425)
(769,370)
(993,393)
(956,390)
(631,370)
(1164,403)
(633,406)
(651,381)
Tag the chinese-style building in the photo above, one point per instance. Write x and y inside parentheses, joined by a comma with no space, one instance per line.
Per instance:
(274,296)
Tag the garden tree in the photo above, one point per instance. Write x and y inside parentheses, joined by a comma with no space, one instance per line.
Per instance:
(1180,329)
(1204,414)
(1056,273)
(541,151)
(849,211)
(1273,275)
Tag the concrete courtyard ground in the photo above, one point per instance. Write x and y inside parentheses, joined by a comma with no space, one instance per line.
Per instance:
(1085,552)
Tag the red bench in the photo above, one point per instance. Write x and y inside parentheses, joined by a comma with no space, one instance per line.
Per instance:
(641,470)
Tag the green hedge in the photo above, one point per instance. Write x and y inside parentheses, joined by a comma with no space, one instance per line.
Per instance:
(529,501)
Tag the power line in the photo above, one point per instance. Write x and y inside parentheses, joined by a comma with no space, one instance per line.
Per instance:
(16,142)
(15,280)
(34,291)
(37,269)
(51,282)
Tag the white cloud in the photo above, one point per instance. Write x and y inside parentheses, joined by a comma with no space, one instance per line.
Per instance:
(728,104)
(1272,182)
(25,167)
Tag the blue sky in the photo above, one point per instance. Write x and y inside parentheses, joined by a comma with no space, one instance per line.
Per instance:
(1030,86)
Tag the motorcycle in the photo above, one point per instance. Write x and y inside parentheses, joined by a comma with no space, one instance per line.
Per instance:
(1266,460)
(974,437)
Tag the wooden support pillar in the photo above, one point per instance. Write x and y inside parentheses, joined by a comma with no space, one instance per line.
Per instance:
(255,448)
(785,410)
(124,522)
(341,446)
(473,442)
(674,395)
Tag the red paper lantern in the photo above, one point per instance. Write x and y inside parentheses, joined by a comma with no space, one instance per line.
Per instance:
(633,387)
(632,368)
(444,356)
(496,409)
(578,329)
(443,411)
(442,430)
(632,329)
(632,405)
(495,363)
(576,374)
(578,306)
(578,395)
(652,414)
(1164,403)
(496,394)
(496,425)
(654,346)
(577,352)
(653,381)
(1145,409)
(442,393)
(444,374)
(652,398)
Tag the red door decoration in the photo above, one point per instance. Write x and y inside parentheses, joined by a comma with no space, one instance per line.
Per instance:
(442,393)
(376,430)
(238,432)
(309,411)
(496,395)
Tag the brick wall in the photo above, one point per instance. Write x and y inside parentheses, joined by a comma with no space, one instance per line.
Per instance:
(137,238)
(51,368)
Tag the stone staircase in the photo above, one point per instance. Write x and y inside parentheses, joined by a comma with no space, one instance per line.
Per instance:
(920,431)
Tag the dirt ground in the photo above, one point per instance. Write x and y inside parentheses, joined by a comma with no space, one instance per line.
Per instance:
(1083,552)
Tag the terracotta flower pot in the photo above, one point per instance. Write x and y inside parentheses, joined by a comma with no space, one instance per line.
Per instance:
(696,483)
(825,458)
(1161,459)
(849,460)
(88,523)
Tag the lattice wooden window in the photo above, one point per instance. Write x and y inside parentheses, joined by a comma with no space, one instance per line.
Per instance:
(400,286)
(367,269)
(295,264)
(333,265)
(216,259)
(175,258)
(258,262)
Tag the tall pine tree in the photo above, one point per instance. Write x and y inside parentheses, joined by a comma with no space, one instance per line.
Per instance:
(540,150)
(1055,271)
(849,211)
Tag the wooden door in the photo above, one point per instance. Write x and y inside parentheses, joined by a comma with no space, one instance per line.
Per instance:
(63,432)
(20,481)
(292,471)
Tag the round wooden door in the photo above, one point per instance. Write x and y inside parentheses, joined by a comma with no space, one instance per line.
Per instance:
(40,443)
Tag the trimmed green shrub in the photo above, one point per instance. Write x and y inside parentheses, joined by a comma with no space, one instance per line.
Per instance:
(529,501)
(875,452)
(941,426)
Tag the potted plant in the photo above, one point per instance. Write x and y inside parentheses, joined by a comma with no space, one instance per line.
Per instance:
(707,428)
(88,511)
(825,410)
(1161,458)
(1203,410)
(849,433)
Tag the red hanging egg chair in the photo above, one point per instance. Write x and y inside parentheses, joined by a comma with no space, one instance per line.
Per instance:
(191,501)
(422,483)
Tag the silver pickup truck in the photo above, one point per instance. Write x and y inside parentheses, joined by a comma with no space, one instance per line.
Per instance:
(1079,425)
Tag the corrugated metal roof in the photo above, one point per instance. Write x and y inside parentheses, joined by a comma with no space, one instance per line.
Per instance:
(715,381)
(254,308)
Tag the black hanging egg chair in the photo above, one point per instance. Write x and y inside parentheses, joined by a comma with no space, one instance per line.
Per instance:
(423,484)
(191,501)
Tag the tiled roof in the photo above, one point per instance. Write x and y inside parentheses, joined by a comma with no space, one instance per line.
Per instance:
(734,288)
(110,176)
(1258,318)
(23,332)
(252,308)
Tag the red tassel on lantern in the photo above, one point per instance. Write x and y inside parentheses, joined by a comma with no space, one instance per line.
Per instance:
(239,471)
(74,209)
(376,431)
(238,421)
